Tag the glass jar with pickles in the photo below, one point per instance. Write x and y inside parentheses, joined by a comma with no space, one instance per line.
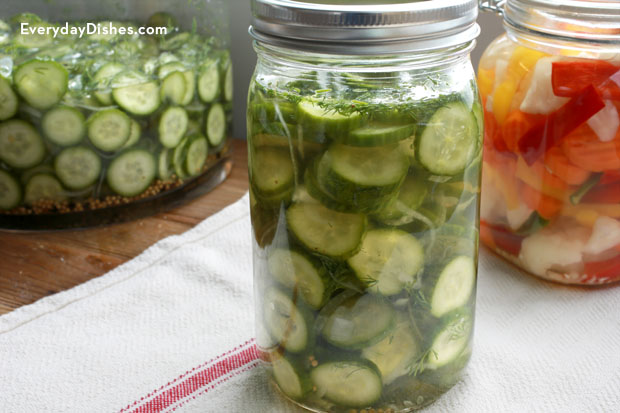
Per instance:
(364,164)
(110,111)
(550,89)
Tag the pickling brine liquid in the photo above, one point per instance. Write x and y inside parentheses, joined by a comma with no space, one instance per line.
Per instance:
(364,204)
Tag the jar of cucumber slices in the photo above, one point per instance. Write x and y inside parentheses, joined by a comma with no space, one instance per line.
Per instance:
(551,93)
(110,110)
(365,149)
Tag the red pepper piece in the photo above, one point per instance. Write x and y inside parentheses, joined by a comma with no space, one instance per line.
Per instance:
(608,270)
(603,194)
(560,123)
(503,238)
(570,78)
(610,177)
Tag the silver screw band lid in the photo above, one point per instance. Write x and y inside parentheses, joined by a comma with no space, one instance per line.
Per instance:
(364,26)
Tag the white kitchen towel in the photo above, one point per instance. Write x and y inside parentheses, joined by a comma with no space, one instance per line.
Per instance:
(172,330)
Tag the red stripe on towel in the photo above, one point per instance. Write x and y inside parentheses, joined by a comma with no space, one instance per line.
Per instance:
(209,375)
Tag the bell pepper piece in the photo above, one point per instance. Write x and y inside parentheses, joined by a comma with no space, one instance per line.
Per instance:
(486,81)
(560,123)
(546,206)
(583,149)
(539,178)
(560,166)
(604,194)
(517,125)
(570,78)
(610,177)
(499,237)
(607,270)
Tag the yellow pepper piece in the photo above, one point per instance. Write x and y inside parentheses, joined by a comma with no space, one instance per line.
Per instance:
(588,213)
(486,81)
(530,177)
(521,62)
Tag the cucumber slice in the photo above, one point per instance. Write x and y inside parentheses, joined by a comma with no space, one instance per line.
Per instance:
(77,167)
(141,99)
(172,126)
(216,125)
(298,272)
(364,178)
(285,322)
(290,376)
(272,171)
(197,151)
(41,83)
(178,159)
(271,111)
(388,261)
(395,354)
(318,121)
(454,286)
(103,78)
(64,126)
(10,191)
(449,141)
(377,135)
(228,84)
(325,231)
(21,146)
(43,187)
(132,172)
(8,100)
(353,321)
(451,340)
(348,383)
(174,88)
(209,82)
(33,39)
(411,196)
(109,129)
(165,170)
(134,135)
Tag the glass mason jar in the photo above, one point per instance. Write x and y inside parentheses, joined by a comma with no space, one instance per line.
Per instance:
(364,162)
(110,110)
(551,183)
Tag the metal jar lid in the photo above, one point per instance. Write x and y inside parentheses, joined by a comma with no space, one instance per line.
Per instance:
(596,21)
(363,27)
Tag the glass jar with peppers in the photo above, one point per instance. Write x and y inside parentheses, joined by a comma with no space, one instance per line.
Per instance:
(551,177)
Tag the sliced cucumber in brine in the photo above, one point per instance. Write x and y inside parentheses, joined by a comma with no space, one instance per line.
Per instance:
(272,172)
(8,100)
(395,354)
(297,271)
(451,340)
(132,172)
(348,383)
(21,146)
(197,151)
(64,126)
(449,140)
(165,169)
(41,83)
(353,321)
(140,99)
(287,325)
(216,125)
(103,78)
(209,82)
(134,135)
(318,121)
(403,209)
(10,191)
(454,286)
(178,159)
(43,187)
(189,79)
(377,135)
(174,88)
(172,126)
(109,129)
(228,83)
(290,376)
(325,231)
(388,261)
(78,167)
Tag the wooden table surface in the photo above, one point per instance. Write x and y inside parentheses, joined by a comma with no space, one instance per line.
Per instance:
(34,265)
